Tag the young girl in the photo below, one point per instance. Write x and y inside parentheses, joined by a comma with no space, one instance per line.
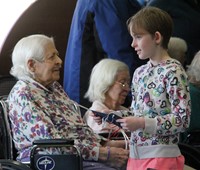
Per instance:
(160,96)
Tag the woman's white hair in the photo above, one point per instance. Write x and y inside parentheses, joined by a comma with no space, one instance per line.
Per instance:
(193,70)
(177,49)
(30,47)
(103,76)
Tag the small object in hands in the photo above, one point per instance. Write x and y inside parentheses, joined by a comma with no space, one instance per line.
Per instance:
(111,117)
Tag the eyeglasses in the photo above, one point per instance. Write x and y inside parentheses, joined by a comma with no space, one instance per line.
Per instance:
(125,84)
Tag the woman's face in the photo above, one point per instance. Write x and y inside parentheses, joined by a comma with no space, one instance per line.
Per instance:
(48,71)
(120,89)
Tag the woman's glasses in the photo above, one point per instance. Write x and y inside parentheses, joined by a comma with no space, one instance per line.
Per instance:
(124,85)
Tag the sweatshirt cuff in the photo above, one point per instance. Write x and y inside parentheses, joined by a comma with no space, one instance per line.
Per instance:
(150,125)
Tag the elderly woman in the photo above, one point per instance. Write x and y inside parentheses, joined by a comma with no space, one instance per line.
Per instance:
(193,71)
(108,89)
(40,109)
(177,48)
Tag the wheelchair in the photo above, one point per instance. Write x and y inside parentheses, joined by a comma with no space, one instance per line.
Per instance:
(47,161)
(7,164)
(38,161)
(191,154)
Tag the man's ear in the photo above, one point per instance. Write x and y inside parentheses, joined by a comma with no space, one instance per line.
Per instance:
(31,65)
(158,37)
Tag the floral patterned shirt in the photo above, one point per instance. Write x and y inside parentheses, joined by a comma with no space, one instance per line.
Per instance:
(36,112)
(160,95)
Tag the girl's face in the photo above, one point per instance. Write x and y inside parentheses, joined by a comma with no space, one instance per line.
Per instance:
(120,89)
(144,44)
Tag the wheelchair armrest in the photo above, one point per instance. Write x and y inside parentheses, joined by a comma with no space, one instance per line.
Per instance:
(53,142)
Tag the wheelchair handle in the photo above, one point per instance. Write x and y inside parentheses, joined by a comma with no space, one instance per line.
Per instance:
(53,142)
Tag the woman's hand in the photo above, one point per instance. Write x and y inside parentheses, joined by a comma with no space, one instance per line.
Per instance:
(116,143)
(114,157)
(118,157)
(98,119)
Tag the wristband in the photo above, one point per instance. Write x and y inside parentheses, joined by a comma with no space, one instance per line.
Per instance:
(108,154)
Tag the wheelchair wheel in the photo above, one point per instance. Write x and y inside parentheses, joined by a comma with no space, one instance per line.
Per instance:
(191,154)
(6,164)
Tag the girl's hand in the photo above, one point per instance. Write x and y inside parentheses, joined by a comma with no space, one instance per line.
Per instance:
(132,123)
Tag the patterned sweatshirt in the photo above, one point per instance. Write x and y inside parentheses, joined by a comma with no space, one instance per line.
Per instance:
(36,112)
(160,95)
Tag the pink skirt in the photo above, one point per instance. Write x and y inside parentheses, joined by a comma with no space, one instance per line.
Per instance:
(156,163)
